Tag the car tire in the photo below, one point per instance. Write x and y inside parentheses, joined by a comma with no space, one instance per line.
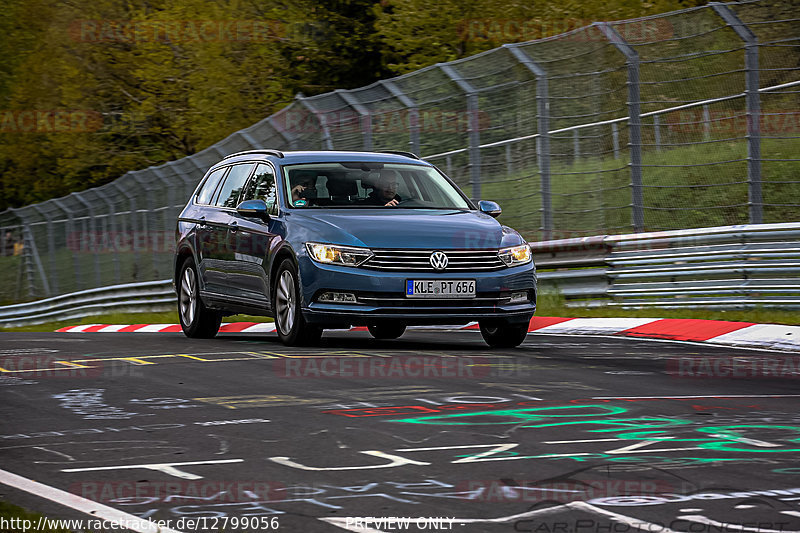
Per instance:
(292,328)
(503,335)
(386,331)
(197,322)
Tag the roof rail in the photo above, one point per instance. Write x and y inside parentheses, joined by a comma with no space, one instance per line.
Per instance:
(400,152)
(276,153)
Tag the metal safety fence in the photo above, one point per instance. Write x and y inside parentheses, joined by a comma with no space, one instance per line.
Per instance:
(683,120)
(731,267)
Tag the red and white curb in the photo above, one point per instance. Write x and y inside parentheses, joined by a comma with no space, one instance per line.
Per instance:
(735,334)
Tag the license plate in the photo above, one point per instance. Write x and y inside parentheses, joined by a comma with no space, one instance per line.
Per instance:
(440,288)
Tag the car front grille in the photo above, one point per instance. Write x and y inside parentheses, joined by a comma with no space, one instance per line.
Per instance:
(419,261)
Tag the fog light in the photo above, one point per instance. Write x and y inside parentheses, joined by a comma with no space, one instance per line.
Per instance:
(518,297)
(337,297)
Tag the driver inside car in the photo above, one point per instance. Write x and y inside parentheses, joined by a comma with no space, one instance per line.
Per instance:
(385,191)
(302,180)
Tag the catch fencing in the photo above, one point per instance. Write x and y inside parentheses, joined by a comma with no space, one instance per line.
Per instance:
(732,267)
(683,120)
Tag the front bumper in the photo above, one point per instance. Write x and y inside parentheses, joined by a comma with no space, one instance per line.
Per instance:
(380,296)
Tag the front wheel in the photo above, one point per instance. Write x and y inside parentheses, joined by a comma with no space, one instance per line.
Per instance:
(502,335)
(292,328)
(386,331)
(197,322)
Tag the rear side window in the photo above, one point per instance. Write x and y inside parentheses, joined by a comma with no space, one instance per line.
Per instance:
(229,191)
(262,187)
(204,197)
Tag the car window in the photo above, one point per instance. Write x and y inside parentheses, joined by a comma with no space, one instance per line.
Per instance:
(262,187)
(352,185)
(210,185)
(229,191)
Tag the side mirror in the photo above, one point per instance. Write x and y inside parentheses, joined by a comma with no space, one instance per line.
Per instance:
(253,208)
(490,208)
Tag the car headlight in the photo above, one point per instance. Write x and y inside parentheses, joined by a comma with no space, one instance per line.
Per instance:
(516,255)
(337,255)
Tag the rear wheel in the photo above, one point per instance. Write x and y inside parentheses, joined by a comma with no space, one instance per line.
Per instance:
(503,335)
(197,322)
(292,328)
(386,331)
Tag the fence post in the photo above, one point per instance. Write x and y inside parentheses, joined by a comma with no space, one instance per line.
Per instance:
(51,247)
(615,139)
(159,240)
(657,131)
(634,121)
(254,144)
(753,103)
(112,224)
(413,114)
(93,237)
(365,120)
(327,142)
(146,217)
(291,140)
(543,140)
(473,129)
(132,218)
(69,227)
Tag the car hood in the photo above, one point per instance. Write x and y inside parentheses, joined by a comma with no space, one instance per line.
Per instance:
(405,228)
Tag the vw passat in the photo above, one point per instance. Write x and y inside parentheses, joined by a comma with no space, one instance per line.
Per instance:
(329,240)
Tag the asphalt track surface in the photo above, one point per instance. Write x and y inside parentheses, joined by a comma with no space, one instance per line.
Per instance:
(561,435)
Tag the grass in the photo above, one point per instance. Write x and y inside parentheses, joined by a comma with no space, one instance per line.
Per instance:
(170,317)
(683,189)
(10,512)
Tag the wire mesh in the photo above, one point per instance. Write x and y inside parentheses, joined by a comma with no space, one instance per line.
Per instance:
(703,105)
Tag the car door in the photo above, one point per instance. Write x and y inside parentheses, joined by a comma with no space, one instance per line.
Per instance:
(220,257)
(208,217)
(253,239)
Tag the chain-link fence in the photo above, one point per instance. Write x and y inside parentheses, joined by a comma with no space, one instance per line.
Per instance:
(682,120)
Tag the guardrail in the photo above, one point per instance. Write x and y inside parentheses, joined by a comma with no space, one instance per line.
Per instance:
(148,296)
(730,267)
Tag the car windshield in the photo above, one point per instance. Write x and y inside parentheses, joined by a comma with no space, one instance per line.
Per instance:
(369,184)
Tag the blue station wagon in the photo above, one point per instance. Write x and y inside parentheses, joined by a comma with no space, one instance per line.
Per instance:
(330,239)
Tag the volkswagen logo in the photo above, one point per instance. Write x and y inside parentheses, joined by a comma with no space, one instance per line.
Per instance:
(439,260)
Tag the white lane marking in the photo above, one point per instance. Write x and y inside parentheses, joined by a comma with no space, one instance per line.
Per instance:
(596,325)
(73,501)
(167,468)
(113,328)
(153,328)
(80,329)
(706,344)
(264,327)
